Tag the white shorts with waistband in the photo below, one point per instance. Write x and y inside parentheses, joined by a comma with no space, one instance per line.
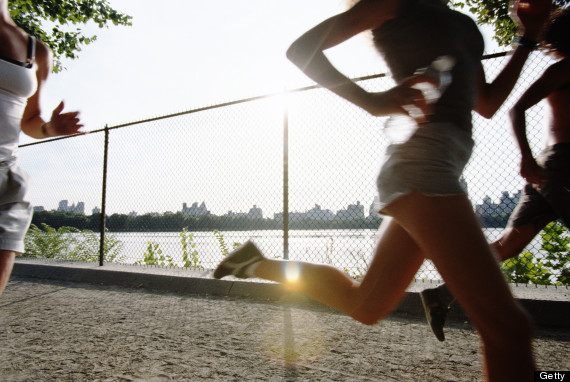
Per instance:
(15,211)
(431,162)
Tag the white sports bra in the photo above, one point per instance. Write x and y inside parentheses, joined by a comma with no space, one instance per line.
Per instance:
(18,82)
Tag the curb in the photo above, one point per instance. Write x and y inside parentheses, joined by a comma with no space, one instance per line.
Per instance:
(549,306)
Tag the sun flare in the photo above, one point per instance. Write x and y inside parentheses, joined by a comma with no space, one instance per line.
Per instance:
(292,271)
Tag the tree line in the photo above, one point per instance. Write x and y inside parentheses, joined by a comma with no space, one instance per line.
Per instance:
(175,222)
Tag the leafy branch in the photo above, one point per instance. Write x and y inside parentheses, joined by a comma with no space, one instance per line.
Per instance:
(53,22)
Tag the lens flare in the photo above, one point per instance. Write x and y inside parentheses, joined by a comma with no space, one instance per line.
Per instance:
(292,271)
(294,337)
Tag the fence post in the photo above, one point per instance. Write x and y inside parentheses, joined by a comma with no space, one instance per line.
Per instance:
(104,198)
(286,176)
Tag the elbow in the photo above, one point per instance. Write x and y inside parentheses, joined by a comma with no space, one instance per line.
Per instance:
(291,53)
(486,112)
(487,103)
(300,55)
(485,108)
(516,112)
(294,54)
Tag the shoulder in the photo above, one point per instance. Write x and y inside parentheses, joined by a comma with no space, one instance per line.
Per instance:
(43,58)
(372,13)
(43,52)
(559,71)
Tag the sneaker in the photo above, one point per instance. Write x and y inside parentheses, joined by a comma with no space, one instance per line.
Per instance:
(435,311)
(238,260)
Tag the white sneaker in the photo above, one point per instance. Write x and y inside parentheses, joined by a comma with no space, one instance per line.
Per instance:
(238,260)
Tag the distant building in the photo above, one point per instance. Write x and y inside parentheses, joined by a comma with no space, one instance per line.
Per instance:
(373,210)
(487,208)
(232,214)
(505,206)
(195,210)
(79,208)
(508,203)
(39,209)
(62,205)
(315,213)
(65,207)
(292,216)
(255,213)
(318,213)
(95,211)
(352,212)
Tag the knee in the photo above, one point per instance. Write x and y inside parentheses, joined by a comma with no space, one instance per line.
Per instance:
(369,317)
(502,251)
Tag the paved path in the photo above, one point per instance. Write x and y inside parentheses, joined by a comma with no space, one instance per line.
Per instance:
(65,331)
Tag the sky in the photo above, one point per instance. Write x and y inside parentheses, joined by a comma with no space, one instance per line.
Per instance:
(180,55)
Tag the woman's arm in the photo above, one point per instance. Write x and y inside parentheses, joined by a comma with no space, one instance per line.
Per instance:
(554,77)
(32,123)
(531,16)
(307,52)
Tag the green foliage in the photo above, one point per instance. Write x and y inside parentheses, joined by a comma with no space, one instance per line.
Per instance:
(526,269)
(65,39)
(189,253)
(496,14)
(88,247)
(552,269)
(154,256)
(190,257)
(49,243)
(68,243)
(556,242)
(222,242)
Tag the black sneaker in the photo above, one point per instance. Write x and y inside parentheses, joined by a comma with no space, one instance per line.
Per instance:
(435,311)
(238,260)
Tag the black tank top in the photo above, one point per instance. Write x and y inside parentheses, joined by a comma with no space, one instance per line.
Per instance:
(424,30)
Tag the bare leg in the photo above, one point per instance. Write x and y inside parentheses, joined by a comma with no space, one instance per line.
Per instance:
(513,240)
(6,265)
(437,300)
(395,263)
(449,234)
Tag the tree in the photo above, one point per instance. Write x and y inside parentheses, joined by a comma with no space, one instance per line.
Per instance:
(495,13)
(36,17)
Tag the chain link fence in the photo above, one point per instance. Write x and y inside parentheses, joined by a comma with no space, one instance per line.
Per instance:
(293,171)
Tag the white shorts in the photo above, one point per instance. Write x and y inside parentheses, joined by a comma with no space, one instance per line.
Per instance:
(431,162)
(15,211)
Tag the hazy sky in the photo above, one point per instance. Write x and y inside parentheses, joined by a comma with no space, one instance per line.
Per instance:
(179,55)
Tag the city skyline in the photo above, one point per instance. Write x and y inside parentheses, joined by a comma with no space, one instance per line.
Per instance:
(505,206)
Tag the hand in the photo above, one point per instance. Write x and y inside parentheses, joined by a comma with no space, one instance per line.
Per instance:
(408,100)
(531,15)
(63,123)
(532,172)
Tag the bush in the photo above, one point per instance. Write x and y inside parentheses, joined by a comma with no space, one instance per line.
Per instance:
(550,269)
(68,243)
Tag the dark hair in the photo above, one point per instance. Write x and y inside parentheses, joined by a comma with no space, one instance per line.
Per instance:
(556,36)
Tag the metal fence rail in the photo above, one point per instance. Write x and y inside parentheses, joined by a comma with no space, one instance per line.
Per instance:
(295,171)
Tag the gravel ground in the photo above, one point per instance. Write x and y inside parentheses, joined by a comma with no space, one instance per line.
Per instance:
(61,331)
